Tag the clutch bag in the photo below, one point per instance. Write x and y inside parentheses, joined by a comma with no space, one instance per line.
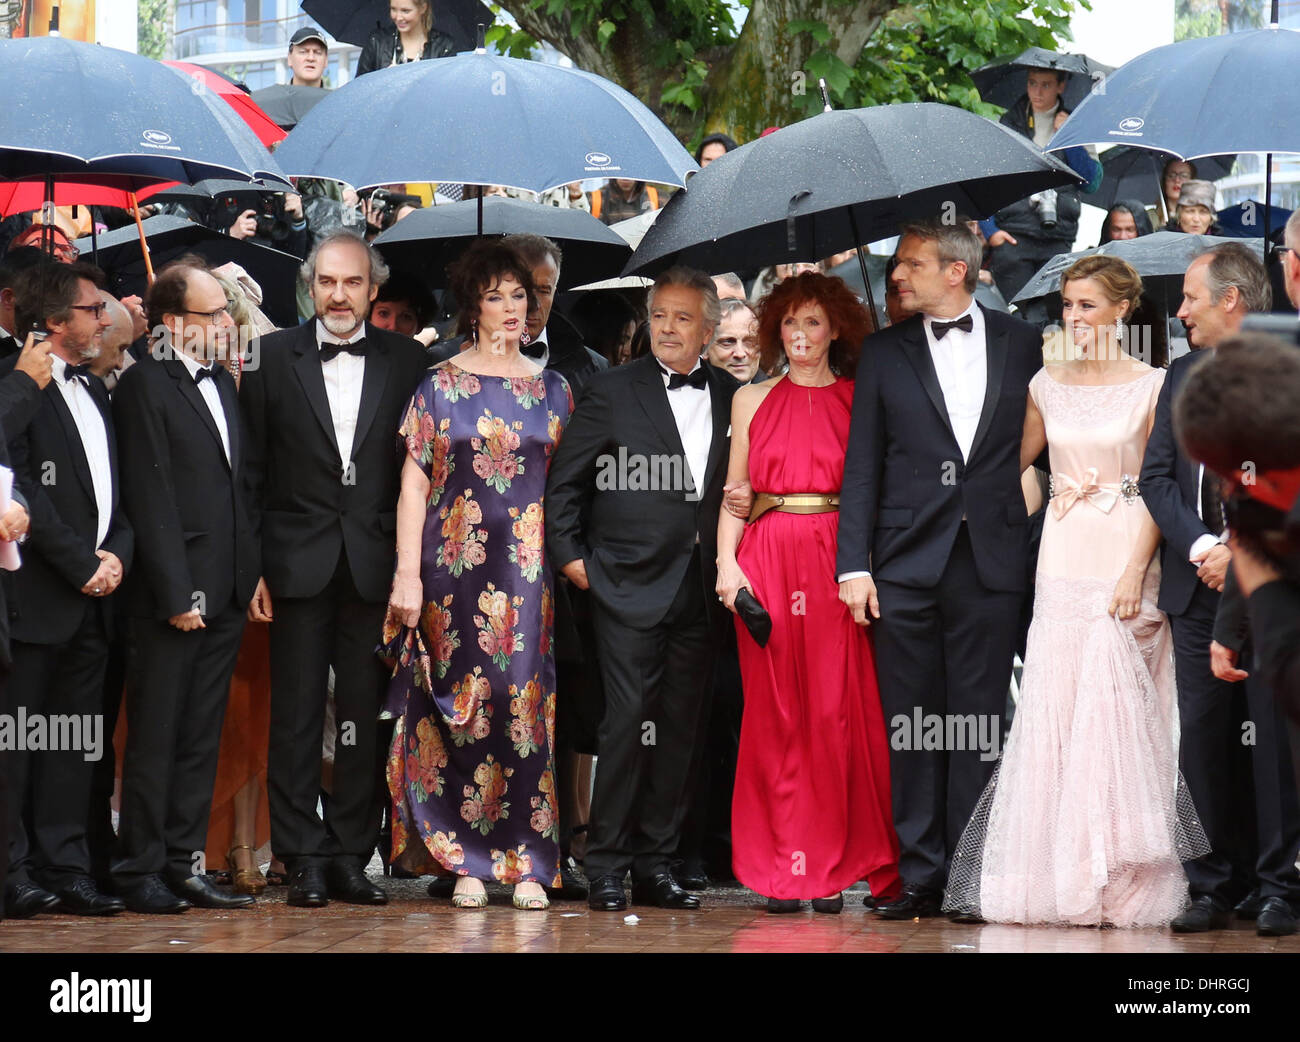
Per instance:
(754,616)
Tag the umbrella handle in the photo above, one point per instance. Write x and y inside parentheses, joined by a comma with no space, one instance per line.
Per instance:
(144,244)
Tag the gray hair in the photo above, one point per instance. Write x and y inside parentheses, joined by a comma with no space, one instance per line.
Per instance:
(727,308)
(955,242)
(378,269)
(732,281)
(1235,265)
(690,278)
(1293,230)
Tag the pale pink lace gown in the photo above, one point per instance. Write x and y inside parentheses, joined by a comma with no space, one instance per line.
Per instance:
(1087,820)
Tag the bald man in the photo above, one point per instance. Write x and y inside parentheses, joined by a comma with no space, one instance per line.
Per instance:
(113,359)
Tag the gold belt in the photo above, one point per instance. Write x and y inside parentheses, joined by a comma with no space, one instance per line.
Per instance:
(795,503)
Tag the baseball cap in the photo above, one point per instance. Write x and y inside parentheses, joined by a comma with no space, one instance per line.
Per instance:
(308,33)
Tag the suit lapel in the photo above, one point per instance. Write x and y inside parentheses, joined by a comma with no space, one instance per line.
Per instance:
(192,395)
(995,358)
(372,387)
(916,348)
(721,420)
(77,451)
(653,398)
(307,367)
(229,395)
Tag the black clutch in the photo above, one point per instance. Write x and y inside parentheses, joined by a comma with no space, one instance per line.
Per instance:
(754,616)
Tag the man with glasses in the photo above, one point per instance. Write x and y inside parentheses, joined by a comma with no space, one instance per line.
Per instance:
(178,422)
(65,462)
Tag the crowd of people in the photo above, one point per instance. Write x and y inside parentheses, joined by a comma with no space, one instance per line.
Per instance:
(729,582)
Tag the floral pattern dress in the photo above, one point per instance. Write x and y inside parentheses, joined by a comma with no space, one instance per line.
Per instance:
(471,769)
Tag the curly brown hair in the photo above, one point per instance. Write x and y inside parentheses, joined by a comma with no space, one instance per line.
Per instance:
(478,269)
(843,310)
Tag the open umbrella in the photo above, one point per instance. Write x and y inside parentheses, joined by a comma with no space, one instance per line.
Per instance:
(429,239)
(237,97)
(1002,81)
(352,21)
(1205,97)
(287,103)
(1134,173)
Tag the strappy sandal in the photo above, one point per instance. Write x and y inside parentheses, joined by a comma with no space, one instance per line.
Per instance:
(478,900)
(530,902)
(245,880)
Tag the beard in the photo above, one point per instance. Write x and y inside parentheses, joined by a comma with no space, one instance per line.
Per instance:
(339,325)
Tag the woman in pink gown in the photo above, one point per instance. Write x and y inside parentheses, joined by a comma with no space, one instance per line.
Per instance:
(811,811)
(1087,819)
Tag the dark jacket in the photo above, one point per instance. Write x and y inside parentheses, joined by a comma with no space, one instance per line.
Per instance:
(1141,221)
(383,43)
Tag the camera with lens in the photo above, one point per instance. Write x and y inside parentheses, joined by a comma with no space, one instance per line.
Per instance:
(384,206)
(273,226)
(1045,203)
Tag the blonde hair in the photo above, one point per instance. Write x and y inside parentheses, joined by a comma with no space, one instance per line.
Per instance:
(1118,279)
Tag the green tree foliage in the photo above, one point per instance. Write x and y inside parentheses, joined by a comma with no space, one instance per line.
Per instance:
(151,34)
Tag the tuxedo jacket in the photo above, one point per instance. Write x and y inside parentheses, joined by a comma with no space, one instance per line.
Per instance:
(1170,488)
(179,489)
(52,471)
(906,486)
(636,542)
(307,508)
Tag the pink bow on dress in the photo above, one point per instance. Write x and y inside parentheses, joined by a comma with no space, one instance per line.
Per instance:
(1066,492)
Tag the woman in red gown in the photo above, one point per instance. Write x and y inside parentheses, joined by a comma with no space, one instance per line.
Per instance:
(811,813)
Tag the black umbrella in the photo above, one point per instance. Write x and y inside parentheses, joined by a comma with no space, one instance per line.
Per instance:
(429,239)
(1003,80)
(169,237)
(1134,173)
(352,21)
(287,103)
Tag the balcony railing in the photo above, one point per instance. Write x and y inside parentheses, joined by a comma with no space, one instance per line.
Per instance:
(231,37)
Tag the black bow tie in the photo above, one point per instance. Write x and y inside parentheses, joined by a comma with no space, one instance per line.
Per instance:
(9,346)
(534,349)
(940,329)
(204,373)
(77,372)
(696,378)
(357,347)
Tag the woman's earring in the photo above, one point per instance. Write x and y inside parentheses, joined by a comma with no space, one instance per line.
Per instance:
(473,333)
(524,338)
(1119,329)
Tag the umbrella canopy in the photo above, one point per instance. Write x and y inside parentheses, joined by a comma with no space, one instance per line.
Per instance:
(1134,173)
(286,104)
(98,115)
(237,97)
(1246,219)
(633,230)
(1002,81)
(540,126)
(429,239)
(352,21)
(169,237)
(840,179)
(26,196)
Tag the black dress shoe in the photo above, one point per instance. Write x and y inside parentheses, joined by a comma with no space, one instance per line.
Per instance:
(1275,918)
(307,888)
(348,883)
(202,893)
(1248,907)
(915,903)
(606,894)
(24,900)
(690,874)
(151,896)
(1201,915)
(968,918)
(829,905)
(782,905)
(572,887)
(662,891)
(442,887)
(81,898)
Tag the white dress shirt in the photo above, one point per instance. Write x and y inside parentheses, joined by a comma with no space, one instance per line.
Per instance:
(1203,544)
(344,374)
(693,411)
(211,396)
(545,358)
(961,365)
(94,442)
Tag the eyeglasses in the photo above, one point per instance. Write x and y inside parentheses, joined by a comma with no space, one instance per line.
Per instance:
(1179,175)
(211,316)
(94,309)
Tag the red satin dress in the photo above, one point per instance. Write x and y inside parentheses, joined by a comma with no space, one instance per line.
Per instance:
(811,814)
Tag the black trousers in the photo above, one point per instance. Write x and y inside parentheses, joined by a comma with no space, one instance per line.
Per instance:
(338,628)
(1235,757)
(100,836)
(947,650)
(657,687)
(179,684)
(50,789)
(4,789)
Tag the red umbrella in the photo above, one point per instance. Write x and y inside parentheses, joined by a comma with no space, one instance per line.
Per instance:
(237,98)
(25,196)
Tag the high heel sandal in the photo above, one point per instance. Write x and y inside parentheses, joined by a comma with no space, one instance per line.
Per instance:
(478,900)
(530,902)
(245,880)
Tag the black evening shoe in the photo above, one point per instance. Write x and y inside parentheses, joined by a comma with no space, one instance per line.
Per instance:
(1248,907)
(1201,915)
(200,892)
(781,905)
(442,887)
(829,905)
(307,888)
(24,900)
(915,903)
(151,896)
(572,887)
(81,898)
(347,882)
(606,894)
(662,891)
(1275,918)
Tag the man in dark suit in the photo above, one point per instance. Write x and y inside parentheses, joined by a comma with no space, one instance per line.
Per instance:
(645,545)
(933,532)
(1219,289)
(322,408)
(65,460)
(178,425)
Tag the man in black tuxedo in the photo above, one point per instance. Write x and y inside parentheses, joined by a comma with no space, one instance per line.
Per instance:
(933,532)
(646,549)
(322,406)
(1219,289)
(178,425)
(65,461)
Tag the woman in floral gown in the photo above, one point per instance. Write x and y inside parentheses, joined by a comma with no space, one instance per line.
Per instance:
(471,767)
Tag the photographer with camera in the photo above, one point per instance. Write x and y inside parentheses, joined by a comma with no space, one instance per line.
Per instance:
(1028,233)
(383,207)
(274,220)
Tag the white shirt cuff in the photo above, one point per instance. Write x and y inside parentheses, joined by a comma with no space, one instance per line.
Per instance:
(854,575)
(1203,545)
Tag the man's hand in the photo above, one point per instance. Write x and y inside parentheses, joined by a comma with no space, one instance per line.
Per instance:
(860,594)
(14,523)
(293,205)
(106,577)
(576,572)
(245,226)
(1223,663)
(259,608)
(1214,567)
(35,361)
(1059,121)
(999,238)
(188,620)
(139,321)
(738,498)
